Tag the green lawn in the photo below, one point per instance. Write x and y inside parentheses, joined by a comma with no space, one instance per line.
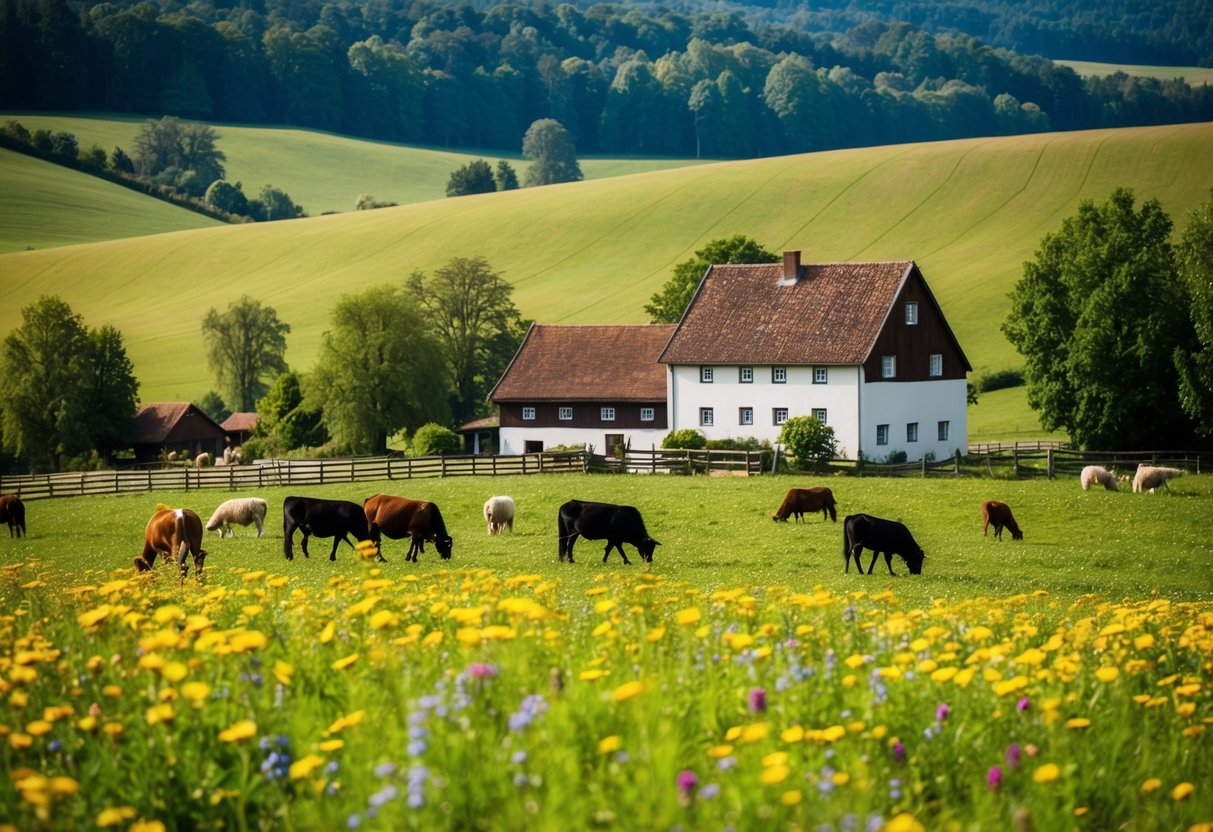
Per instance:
(1004,416)
(324,172)
(969,212)
(717,532)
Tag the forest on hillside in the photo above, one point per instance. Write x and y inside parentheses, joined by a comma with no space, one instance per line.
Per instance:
(623,78)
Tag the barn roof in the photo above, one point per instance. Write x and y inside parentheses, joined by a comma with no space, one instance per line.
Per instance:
(154,421)
(816,313)
(243,422)
(587,363)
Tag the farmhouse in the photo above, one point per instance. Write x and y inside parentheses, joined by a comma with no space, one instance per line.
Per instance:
(575,385)
(240,426)
(175,426)
(863,347)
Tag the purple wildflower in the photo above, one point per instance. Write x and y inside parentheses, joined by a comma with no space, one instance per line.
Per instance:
(353,821)
(994,778)
(1023,704)
(385,795)
(385,769)
(758,700)
(899,752)
(480,670)
(709,791)
(941,713)
(687,780)
(1014,754)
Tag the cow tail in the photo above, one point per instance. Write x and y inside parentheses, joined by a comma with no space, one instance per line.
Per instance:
(831,506)
(183,541)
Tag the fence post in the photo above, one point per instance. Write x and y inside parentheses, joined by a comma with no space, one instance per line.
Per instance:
(1015,458)
(956,463)
(1049,465)
(541,462)
(924,465)
(442,466)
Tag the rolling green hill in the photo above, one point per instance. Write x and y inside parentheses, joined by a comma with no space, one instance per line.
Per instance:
(1194,75)
(321,171)
(969,212)
(44,205)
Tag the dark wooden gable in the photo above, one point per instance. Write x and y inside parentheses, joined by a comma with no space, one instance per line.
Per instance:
(913,344)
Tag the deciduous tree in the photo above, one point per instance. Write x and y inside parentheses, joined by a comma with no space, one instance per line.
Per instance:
(1195,363)
(245,348)
(1097,317)
(473,178)
(378,371)
(549,148)
(468,308)
(668,305)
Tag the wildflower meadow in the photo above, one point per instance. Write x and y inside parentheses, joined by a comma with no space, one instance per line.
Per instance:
(718,688)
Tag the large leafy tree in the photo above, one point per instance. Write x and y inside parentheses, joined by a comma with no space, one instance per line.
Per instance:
(168,143)
(1097,317)
(285,420)
(378,371)
(473,178)
(468,308)
(1195,364)
(667,306)
(67,390)
(245,348)
(549,148)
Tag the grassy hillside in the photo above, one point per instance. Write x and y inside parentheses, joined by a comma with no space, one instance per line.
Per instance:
(44,205)
(324,172)
(1194,75)
(969,212)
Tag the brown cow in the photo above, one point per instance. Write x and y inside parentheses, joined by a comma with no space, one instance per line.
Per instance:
(397,517)
(173,531)
(12,511)
(999,514)
(798,501)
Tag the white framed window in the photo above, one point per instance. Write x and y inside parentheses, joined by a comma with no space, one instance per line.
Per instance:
(882,434)
(705,375)
(646,414)
(936,368)
(911,431)
(819,413)
(943,431)
(608,414)
(707,416)
(821,375)
(888,366)
(779,415)
(528,414)
(912,313)
(745,375)
(779,375)
(566,413)
(745,416)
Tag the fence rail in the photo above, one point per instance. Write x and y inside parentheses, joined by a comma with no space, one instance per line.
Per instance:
(286,472)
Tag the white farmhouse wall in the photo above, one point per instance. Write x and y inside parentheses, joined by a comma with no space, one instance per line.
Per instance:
(513,440)
(726,395)
(926,402)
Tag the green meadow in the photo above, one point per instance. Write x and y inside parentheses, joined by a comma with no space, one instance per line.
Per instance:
(969,212)
(325,172)
(740,680)
(1194,75)
(717,531)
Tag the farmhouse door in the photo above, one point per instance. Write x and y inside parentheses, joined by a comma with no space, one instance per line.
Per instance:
(614,445)
(533,446)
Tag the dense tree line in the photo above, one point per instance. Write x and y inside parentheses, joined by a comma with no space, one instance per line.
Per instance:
(620,79)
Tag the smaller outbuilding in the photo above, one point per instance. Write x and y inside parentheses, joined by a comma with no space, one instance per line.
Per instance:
(164,427)
(240,426)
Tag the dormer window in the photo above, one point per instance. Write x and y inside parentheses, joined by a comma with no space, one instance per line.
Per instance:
(912,313)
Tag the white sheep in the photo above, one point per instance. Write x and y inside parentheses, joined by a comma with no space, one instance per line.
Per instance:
(1094,474)
(1149,477)
(499,513)
(202,460)
(240,511)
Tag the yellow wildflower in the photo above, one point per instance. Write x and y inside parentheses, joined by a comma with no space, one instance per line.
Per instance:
(1046,773)
(608,744)
(346,661)
(242,730)
(304,766)
(629,690)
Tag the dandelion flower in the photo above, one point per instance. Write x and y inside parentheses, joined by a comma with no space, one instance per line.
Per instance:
(1151,785)
(242,730)
(608,744)
(115,816)
(304,766)
(1182,792)
(1046,773)
(627,691)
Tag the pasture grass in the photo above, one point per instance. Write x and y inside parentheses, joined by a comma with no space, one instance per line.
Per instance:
(1004,416)
(740,680)
(969,212)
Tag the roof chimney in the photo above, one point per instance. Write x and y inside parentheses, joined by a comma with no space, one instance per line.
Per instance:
(792,270)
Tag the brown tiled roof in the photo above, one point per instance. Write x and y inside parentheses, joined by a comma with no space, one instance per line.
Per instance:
(832,315)
(155,421)
(587,363)
(240,422)
(481,424)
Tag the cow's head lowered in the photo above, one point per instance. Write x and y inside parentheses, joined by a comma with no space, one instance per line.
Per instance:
(646,547)
(914,558)
(443,544)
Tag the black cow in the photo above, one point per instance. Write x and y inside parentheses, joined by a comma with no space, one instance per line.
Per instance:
(595,521)
(323,518)
(887,537)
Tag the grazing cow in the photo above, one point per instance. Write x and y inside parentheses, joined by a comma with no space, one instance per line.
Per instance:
(1094,474)
(999,514)
(337,519)
(887,537)
(12,511)
(1149,477)
(800,501)
(240,511)
(499,514)
(396,517)
(595,521)
(173,532)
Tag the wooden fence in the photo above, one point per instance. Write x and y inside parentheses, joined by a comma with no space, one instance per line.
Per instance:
(286,472)
(683,461)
